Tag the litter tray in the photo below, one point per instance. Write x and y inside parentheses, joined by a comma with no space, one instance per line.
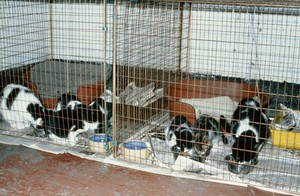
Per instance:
(285,139)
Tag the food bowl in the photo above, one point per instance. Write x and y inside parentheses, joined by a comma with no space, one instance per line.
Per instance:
(240,168)
(135,151)
(100,142)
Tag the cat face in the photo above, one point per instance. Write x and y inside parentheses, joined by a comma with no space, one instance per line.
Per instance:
(38,113)
(288,118)
(178,124)
(180,136)
(67,100)
(206,129)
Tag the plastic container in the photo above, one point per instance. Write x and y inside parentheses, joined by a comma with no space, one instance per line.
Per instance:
(135,151)
(284,138)
(100,142)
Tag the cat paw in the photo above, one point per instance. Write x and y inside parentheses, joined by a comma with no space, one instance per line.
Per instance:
(39,122)
(72,137)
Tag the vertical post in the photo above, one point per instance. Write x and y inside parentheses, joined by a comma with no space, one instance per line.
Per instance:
(51,28)
(104,28)
(115,146)
(188,40)
(179,40)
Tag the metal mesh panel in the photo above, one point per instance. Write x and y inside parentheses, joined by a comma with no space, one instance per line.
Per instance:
(205,87)
(226,69)
(151,50)
(55,48)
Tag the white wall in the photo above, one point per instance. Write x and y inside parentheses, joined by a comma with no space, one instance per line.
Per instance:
(246,45)
(78,32)
(235,44)
(24,33)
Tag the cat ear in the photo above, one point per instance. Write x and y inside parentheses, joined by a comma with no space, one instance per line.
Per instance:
(284,108)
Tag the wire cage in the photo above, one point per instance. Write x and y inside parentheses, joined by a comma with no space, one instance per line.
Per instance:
(56,71)
(229,76)
(206,87)
(144,69)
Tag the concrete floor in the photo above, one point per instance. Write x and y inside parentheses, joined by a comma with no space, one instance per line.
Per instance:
(25,171)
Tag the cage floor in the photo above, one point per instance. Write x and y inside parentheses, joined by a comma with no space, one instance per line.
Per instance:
(271,171)
(31,172)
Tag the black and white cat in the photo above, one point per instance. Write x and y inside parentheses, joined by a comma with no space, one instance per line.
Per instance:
(250,129)
(179,137)
(63,126)
(193,142)
(207,131)
(93,115)
(72,118)
(20,107)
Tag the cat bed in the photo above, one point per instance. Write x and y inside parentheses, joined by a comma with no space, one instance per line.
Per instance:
(199,90)
(214,107)
(55,77)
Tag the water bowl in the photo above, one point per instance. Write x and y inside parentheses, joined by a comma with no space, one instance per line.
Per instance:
(135,151)
(100,142)
(239,168)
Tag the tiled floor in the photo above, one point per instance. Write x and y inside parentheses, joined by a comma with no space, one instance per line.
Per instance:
(25,171)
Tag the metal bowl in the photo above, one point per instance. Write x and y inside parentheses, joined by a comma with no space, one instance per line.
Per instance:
(239,168)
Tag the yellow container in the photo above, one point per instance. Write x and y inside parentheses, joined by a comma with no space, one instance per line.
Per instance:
(285,139)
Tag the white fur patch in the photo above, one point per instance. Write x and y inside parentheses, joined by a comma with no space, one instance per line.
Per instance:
(72,137)
(57,139)
(253,104)
(170,137)
(17,115)
(102,110)
(90,126)
(73,104)
(92,103)
(58,107)
(245,126)
(38,122)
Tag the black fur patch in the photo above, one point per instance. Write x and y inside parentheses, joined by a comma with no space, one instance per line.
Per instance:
(64,99)
(35,110)
(12,96)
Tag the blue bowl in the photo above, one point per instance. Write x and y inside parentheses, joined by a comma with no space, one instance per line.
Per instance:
(135,145)
(101,138)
